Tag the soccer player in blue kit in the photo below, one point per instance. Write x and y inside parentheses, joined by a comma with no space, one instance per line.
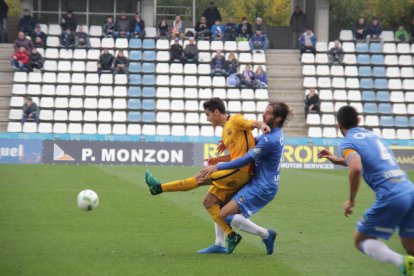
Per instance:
(366,154)
(263,186)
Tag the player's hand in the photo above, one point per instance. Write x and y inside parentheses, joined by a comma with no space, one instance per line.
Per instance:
(348,206)
(328,155)
(208,170)
(265,128)
(221,148)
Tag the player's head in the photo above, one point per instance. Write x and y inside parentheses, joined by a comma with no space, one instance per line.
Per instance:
(347,118)
(276,114)
(215,111)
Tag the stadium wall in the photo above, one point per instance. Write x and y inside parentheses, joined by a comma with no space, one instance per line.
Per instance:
(300,153)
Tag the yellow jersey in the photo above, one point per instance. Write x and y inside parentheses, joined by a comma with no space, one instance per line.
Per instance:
(237,137)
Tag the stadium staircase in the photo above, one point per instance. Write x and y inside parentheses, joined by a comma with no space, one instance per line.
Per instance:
(286,85)
(6,80)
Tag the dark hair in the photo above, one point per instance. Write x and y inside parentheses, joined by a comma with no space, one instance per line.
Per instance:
(215,103)
(25,10)
(347,116)
(283,111)
(29,99)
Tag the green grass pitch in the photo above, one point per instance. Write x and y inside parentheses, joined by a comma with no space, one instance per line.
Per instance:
(42,232)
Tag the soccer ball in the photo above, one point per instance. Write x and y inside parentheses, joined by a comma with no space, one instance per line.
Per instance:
(88,200)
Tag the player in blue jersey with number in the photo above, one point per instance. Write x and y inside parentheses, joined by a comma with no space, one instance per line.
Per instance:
(366,154)
(263,186)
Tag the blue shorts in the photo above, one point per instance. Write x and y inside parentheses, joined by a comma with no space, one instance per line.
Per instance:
(382,219)
(252,198)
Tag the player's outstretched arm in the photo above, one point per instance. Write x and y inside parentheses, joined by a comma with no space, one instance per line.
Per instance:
(331,157)
(355,171)
(262,126)
(234,164)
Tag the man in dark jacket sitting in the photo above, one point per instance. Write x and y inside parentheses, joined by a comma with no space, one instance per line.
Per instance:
(105,62)
(191,51)
(312,102)
(121,64)
(36,60)
(82,39)
(27,23)
(67,39)
(69,22)
(39,38)
(176,51)
(122,26)
(30,111)
(217,65)
(138,27)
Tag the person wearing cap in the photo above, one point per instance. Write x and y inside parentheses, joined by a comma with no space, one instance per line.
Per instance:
(138,27)
(39,37)
(176,51)
(212,14)
(27,23)
(191,51)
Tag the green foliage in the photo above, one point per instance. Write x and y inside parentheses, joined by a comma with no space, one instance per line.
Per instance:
(391,13)
(14,7)
(42,232)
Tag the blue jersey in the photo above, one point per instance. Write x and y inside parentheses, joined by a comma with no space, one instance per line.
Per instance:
(267,155)
(380,169)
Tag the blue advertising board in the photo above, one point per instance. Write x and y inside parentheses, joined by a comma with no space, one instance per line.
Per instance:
(20,151)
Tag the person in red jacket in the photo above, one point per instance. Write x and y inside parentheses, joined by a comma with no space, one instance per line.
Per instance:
(20,59)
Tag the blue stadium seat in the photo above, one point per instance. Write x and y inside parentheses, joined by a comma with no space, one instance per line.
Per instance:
(362,48)
(381,84)
(134,104)
(148,92)
(375,48)
(379,72)
(148,104)
(377,60)
(401,121)
(148,117)
(383,96)
(148,44)
(134,116)
(149,56)
(148,68)
(370,108)
(412,121)
(386,121)
(368,96)
(134,79)
(148,80)
(134,91)
(364,71)
(385,108)
(135,55)
(134,67)
(363,59)
(135,43)
(366,83)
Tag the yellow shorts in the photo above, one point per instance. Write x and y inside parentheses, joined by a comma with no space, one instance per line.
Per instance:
(227,183)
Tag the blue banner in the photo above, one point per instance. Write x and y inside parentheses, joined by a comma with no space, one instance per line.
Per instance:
(20,151)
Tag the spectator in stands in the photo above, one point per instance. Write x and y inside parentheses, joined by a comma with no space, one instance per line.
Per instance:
(163,29)
(258,41)
(22,41)
(360,29)
(109,27)
(244,30)
(247,78)
(67,39)
(260,25)
(212,14)
(176,51)
(105,62)
(69,22)
(122,26)
(217,65)
(4,10)
(374,30)
(231,65)
(82,39)
(298,24)
(191,51)
(138,27)
(20,59)
(39,38)
(233,80)
(36,60)
(307,42)
(401,35)
(230,30)
(202,29)
(217,31)
(312,102)
(261,77)
(27,23)
(30,111)
(336,53)
(177,29)
(121,64)
(412,30)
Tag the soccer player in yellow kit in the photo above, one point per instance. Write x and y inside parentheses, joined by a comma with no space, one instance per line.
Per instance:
(238,140)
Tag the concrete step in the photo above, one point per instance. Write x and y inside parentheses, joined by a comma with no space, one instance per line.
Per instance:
(4,103)
(4,115)
(281,71)
(3,126)
(5,53)
(6,77)
(5,65)
(283,60)
(286,83)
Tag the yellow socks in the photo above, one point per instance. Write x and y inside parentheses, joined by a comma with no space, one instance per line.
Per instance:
(215,214)
(180,185)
